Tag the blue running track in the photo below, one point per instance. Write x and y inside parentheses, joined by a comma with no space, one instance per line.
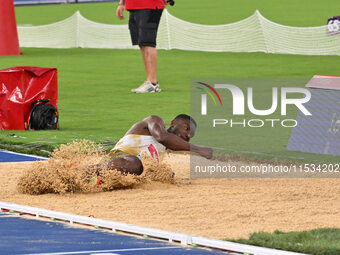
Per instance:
(20,235)
(7,156)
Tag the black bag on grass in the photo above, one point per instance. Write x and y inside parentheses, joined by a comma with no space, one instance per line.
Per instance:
(43,116)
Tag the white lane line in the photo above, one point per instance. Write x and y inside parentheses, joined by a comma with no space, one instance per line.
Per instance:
(102,251)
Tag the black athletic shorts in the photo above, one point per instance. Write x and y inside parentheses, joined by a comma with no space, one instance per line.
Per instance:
(143,25)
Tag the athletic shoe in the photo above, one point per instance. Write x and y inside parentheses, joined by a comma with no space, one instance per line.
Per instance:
(97,181)
(147,87)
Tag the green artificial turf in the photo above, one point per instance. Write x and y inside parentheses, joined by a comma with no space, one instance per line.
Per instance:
(325,241)
(95,101)
(289,12)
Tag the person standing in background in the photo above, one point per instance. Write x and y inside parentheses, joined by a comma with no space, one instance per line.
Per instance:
(143,25)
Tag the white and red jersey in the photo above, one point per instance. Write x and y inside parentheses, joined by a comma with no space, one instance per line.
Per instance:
(137,144)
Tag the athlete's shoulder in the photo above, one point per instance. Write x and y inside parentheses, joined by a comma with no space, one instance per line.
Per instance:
(153,118)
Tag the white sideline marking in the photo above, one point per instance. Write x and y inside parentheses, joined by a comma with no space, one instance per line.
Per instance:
(100,252)
(104,253)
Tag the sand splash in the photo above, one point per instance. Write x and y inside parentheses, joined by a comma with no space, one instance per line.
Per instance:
(68,171)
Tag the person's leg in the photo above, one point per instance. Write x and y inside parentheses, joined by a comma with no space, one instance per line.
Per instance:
(149,55)
(133,27)
(147,22)
(126,165)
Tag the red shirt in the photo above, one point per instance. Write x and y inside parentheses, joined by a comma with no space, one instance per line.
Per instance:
(144,4)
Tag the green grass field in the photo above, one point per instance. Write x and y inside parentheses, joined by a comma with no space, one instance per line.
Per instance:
(289,12)
(95,101)
(324,241)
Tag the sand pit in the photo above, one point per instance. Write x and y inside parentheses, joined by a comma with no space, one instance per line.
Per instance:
(71,169)
(215,208)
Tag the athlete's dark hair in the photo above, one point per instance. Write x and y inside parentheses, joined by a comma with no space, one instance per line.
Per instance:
(186,117)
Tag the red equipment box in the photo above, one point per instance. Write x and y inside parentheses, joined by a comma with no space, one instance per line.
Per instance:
(19,87)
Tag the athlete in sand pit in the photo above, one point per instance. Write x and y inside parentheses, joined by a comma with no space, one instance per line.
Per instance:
(151,136)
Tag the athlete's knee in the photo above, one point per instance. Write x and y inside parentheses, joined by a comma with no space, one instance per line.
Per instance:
(134,165)
(128,165)
(138,169)
(116,163)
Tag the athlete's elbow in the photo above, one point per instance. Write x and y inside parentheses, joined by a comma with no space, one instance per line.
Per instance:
(161,138)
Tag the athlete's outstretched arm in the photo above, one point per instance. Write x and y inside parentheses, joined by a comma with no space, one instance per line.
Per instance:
(157,129)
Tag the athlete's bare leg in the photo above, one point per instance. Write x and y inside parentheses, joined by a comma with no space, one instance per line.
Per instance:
(126,165)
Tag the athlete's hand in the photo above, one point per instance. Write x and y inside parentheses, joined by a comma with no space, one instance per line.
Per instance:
(206,152)
(119,12)
(165,2)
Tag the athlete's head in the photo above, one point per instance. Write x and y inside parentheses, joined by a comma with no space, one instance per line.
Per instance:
(183,126)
